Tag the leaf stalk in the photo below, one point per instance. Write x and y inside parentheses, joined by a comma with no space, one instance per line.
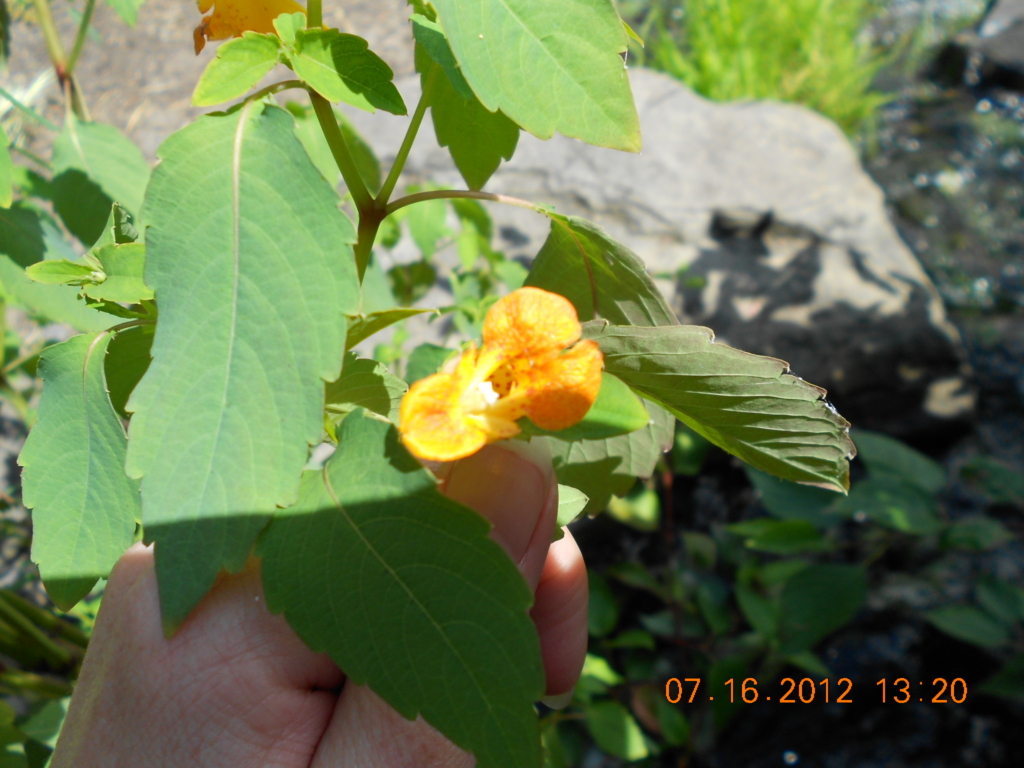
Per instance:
(83,30)
(448,194)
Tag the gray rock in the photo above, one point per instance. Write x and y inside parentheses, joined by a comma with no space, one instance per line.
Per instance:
(758,220)
(1001,34)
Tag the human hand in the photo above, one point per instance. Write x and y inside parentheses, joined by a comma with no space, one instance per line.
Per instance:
(236,687)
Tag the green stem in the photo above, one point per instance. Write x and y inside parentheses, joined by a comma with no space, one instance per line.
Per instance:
(369,223)
(447,194)
(58,656)
(284,85)
(46,620)
(83,30)
(314,13)
(336,141)
(26,681)
(28,111)
(52,38)
(410,136)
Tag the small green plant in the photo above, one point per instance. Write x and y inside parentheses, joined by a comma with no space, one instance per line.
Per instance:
(812,52)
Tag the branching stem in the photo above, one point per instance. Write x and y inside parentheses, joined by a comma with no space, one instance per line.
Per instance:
(410,136)
(447,194)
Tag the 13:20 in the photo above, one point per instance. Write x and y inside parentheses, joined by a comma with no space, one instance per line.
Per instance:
(957,690)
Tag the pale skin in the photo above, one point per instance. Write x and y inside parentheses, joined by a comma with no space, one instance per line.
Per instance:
(236,687)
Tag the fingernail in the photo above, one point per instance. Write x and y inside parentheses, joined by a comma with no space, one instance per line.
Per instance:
(560,700)
(509,485)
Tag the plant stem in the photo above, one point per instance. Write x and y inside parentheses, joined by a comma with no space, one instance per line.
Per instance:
(46,620)
(53,44)
(336,141)
(44,686)
(58,656)
(284,85)
(410,136)
(83,30)
(314,13)
(446,194)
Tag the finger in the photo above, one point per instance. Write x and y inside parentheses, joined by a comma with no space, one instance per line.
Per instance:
(560,613)
(233,676)
(513,485)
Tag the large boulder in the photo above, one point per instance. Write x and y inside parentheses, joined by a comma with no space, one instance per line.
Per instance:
(758,220)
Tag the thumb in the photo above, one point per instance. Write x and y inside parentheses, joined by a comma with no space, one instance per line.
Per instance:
(513,485)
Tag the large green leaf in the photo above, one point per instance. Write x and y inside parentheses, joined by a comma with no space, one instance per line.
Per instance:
(406,592)
(240,64)
(106,156)
(549,66)
(751,406)
(246,248)
(817,601)
(28,236)
(615,730)
(477,138)
(601,277)
(341,67)
(600,468)
(128,358)
(84,507)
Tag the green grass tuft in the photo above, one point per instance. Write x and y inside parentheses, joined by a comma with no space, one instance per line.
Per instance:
(813,52)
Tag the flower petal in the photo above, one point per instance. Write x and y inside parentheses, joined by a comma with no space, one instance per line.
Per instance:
(432,423)
(531,324)
(566,387)
(230,18)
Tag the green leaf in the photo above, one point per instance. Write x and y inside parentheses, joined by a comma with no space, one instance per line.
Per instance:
(80,203)
(123,266)
(84,507)
(341,67)
(617,411)
(61,272)
(602,616)
(247,250)
(118,230)
(364,384)
(751,406)
(884,455)
(240,64)
(689,450)
(6,171)
(761,613)
(128,359)
(106,156)
(791,501)
(1008,682)
(307,128)
(1001,599)
(477,139)
(601,277)
(641,509)
(362,327)
(780,537)
(571,503)
(406,592)
(675,728)
(970,624)
(808,662)
(893,503)
(817,601)
(978,533)
(548,66)
(433,45)
(27,236)
(128,10)
(999,483)
(601,468)
(425,360)
(615,730)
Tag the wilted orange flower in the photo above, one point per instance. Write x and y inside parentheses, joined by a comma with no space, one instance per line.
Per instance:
(230,18)
(522,369)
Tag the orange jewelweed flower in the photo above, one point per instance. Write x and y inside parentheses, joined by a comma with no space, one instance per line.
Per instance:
(230,18)
(522,369)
